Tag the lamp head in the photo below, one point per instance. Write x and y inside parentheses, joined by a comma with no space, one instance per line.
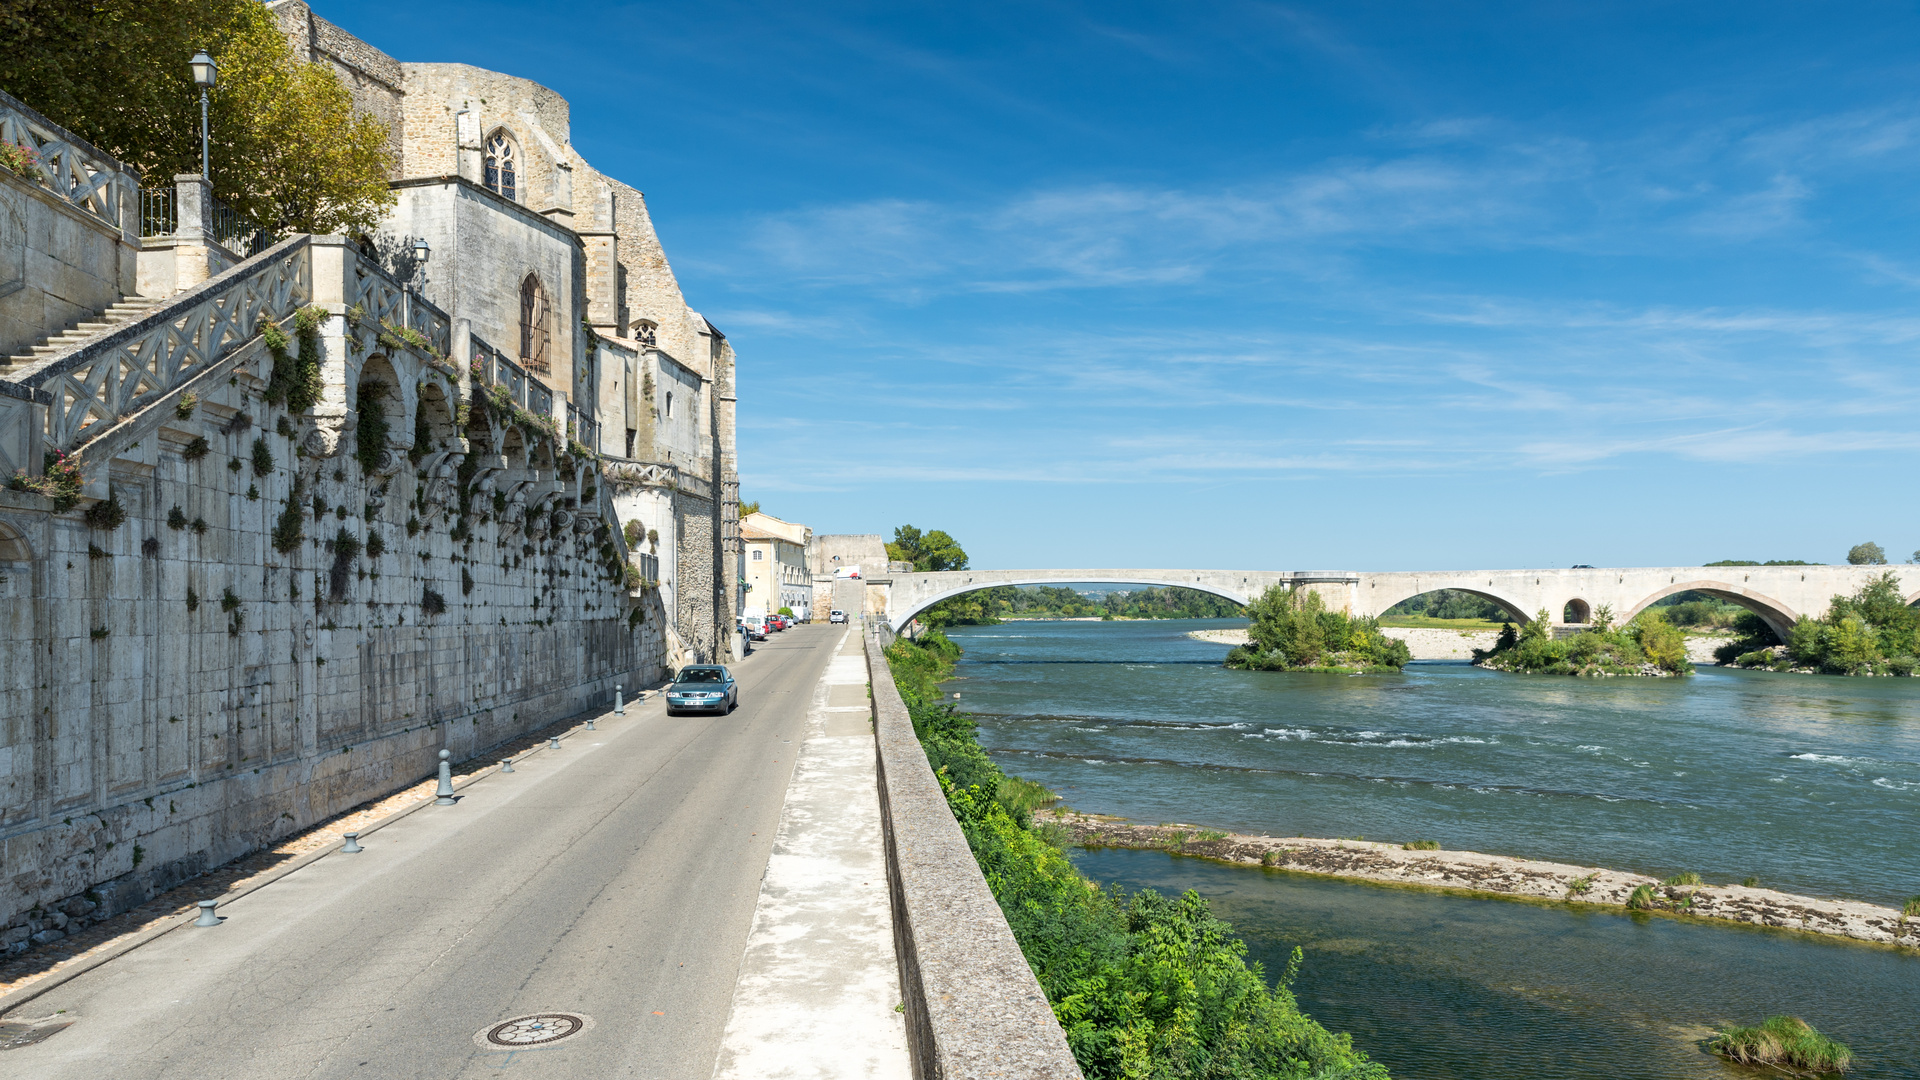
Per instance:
(205,71)
(420,250)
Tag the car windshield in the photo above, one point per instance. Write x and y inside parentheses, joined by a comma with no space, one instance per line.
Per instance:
(702,674)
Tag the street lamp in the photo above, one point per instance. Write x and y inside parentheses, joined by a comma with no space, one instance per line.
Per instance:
(420,254)
(205,72)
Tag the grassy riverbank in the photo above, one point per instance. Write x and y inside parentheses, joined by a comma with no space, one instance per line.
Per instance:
(1144,985)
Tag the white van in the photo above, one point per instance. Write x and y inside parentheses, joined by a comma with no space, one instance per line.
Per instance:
(847,572)
(837,616)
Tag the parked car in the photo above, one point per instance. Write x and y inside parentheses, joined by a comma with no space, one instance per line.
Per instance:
(756,627)
(703,688)
(776,623)
(837,616)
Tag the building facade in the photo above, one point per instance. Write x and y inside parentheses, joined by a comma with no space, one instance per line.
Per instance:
(552,270)
(776,573)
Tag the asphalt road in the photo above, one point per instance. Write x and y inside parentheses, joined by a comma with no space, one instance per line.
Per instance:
(614,878)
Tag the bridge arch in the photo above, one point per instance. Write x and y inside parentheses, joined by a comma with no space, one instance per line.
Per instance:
(1512,607)
(1777,615)
(900,622)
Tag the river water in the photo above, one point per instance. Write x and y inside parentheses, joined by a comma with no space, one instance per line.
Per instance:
(1811,784)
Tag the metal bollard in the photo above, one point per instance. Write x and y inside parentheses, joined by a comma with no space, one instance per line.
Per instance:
(590,726)
(207,917)
(553,743)
(506,764)
(352,845)
(443,795)
(619,706)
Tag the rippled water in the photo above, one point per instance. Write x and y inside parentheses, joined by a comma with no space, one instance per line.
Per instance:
(1811,784)
(1449,988)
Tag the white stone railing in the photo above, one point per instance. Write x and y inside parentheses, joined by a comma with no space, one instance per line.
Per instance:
(70,167)
(87,391)
(494,369)
(384,302)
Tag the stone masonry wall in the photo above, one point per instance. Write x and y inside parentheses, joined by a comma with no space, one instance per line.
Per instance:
(58,264)
(177,690)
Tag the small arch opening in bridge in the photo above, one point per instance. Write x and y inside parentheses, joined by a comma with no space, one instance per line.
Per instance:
(1451,607)
(1577,612)
(1705,605)
(987,604)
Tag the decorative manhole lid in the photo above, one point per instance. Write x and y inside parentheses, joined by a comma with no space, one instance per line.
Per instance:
(538,1029)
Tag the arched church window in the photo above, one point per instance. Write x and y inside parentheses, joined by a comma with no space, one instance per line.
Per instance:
(533,325)
(502,166)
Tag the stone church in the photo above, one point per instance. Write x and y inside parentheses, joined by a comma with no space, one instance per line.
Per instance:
(537,255)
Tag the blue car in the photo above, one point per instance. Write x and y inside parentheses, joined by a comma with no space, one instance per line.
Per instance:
(703,688)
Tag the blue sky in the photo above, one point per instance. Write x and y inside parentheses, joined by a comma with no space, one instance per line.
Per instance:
(1280,286)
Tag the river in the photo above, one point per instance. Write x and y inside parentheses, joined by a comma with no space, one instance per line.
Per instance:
(1811,784)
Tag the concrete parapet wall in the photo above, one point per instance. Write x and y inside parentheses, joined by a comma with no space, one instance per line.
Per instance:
(973,1006)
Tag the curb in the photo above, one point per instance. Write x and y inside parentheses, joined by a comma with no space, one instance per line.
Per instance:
(52,982)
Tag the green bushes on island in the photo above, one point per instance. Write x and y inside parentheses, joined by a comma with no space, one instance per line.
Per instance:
(1649,645)
(1144,985)
(1292,630)
(1872,632)
(1786,1043)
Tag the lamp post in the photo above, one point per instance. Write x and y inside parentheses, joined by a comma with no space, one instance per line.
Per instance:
(420,254)
(205,72)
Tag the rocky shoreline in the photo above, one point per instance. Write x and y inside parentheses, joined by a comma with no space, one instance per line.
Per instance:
(1473,871)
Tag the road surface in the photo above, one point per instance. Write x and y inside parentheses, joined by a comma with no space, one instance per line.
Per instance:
(614,879)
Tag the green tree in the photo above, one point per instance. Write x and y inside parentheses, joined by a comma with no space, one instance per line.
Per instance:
(926,551)
(1867,554)
(748,508)
(287,148)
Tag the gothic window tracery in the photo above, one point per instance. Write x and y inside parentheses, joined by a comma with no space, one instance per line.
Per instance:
(503,167)
(533,326)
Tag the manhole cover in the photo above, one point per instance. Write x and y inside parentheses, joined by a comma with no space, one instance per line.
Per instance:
(536,1030)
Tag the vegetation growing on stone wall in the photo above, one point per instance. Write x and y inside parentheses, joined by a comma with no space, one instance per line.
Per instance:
(176,519)
(59,480)
(1292,630)
(295,380)
(376,545)
(370,433)
(1144,985)
(185,406)
(262,457)
(196,448)
(1872,632)
(432,603)
(287,533)
(1649,645)
(22,160)
(108,515)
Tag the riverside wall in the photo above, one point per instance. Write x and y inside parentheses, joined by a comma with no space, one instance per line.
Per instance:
(973,1006)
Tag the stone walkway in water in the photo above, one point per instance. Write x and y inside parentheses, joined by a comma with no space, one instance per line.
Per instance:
(819,986)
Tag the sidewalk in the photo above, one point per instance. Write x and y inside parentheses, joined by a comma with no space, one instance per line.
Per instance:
(819,983)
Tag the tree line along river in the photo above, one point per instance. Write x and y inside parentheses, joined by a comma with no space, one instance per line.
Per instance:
(1809,783)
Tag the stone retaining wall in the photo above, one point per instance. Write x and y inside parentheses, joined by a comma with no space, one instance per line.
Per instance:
(973,1006)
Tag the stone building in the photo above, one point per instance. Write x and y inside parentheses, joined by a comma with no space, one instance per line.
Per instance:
(543,260)
(776,571)
(298,515)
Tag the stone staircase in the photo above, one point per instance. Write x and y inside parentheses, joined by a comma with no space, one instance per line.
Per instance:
(126,311)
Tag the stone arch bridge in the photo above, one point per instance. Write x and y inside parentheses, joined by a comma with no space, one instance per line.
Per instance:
(1778,594)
